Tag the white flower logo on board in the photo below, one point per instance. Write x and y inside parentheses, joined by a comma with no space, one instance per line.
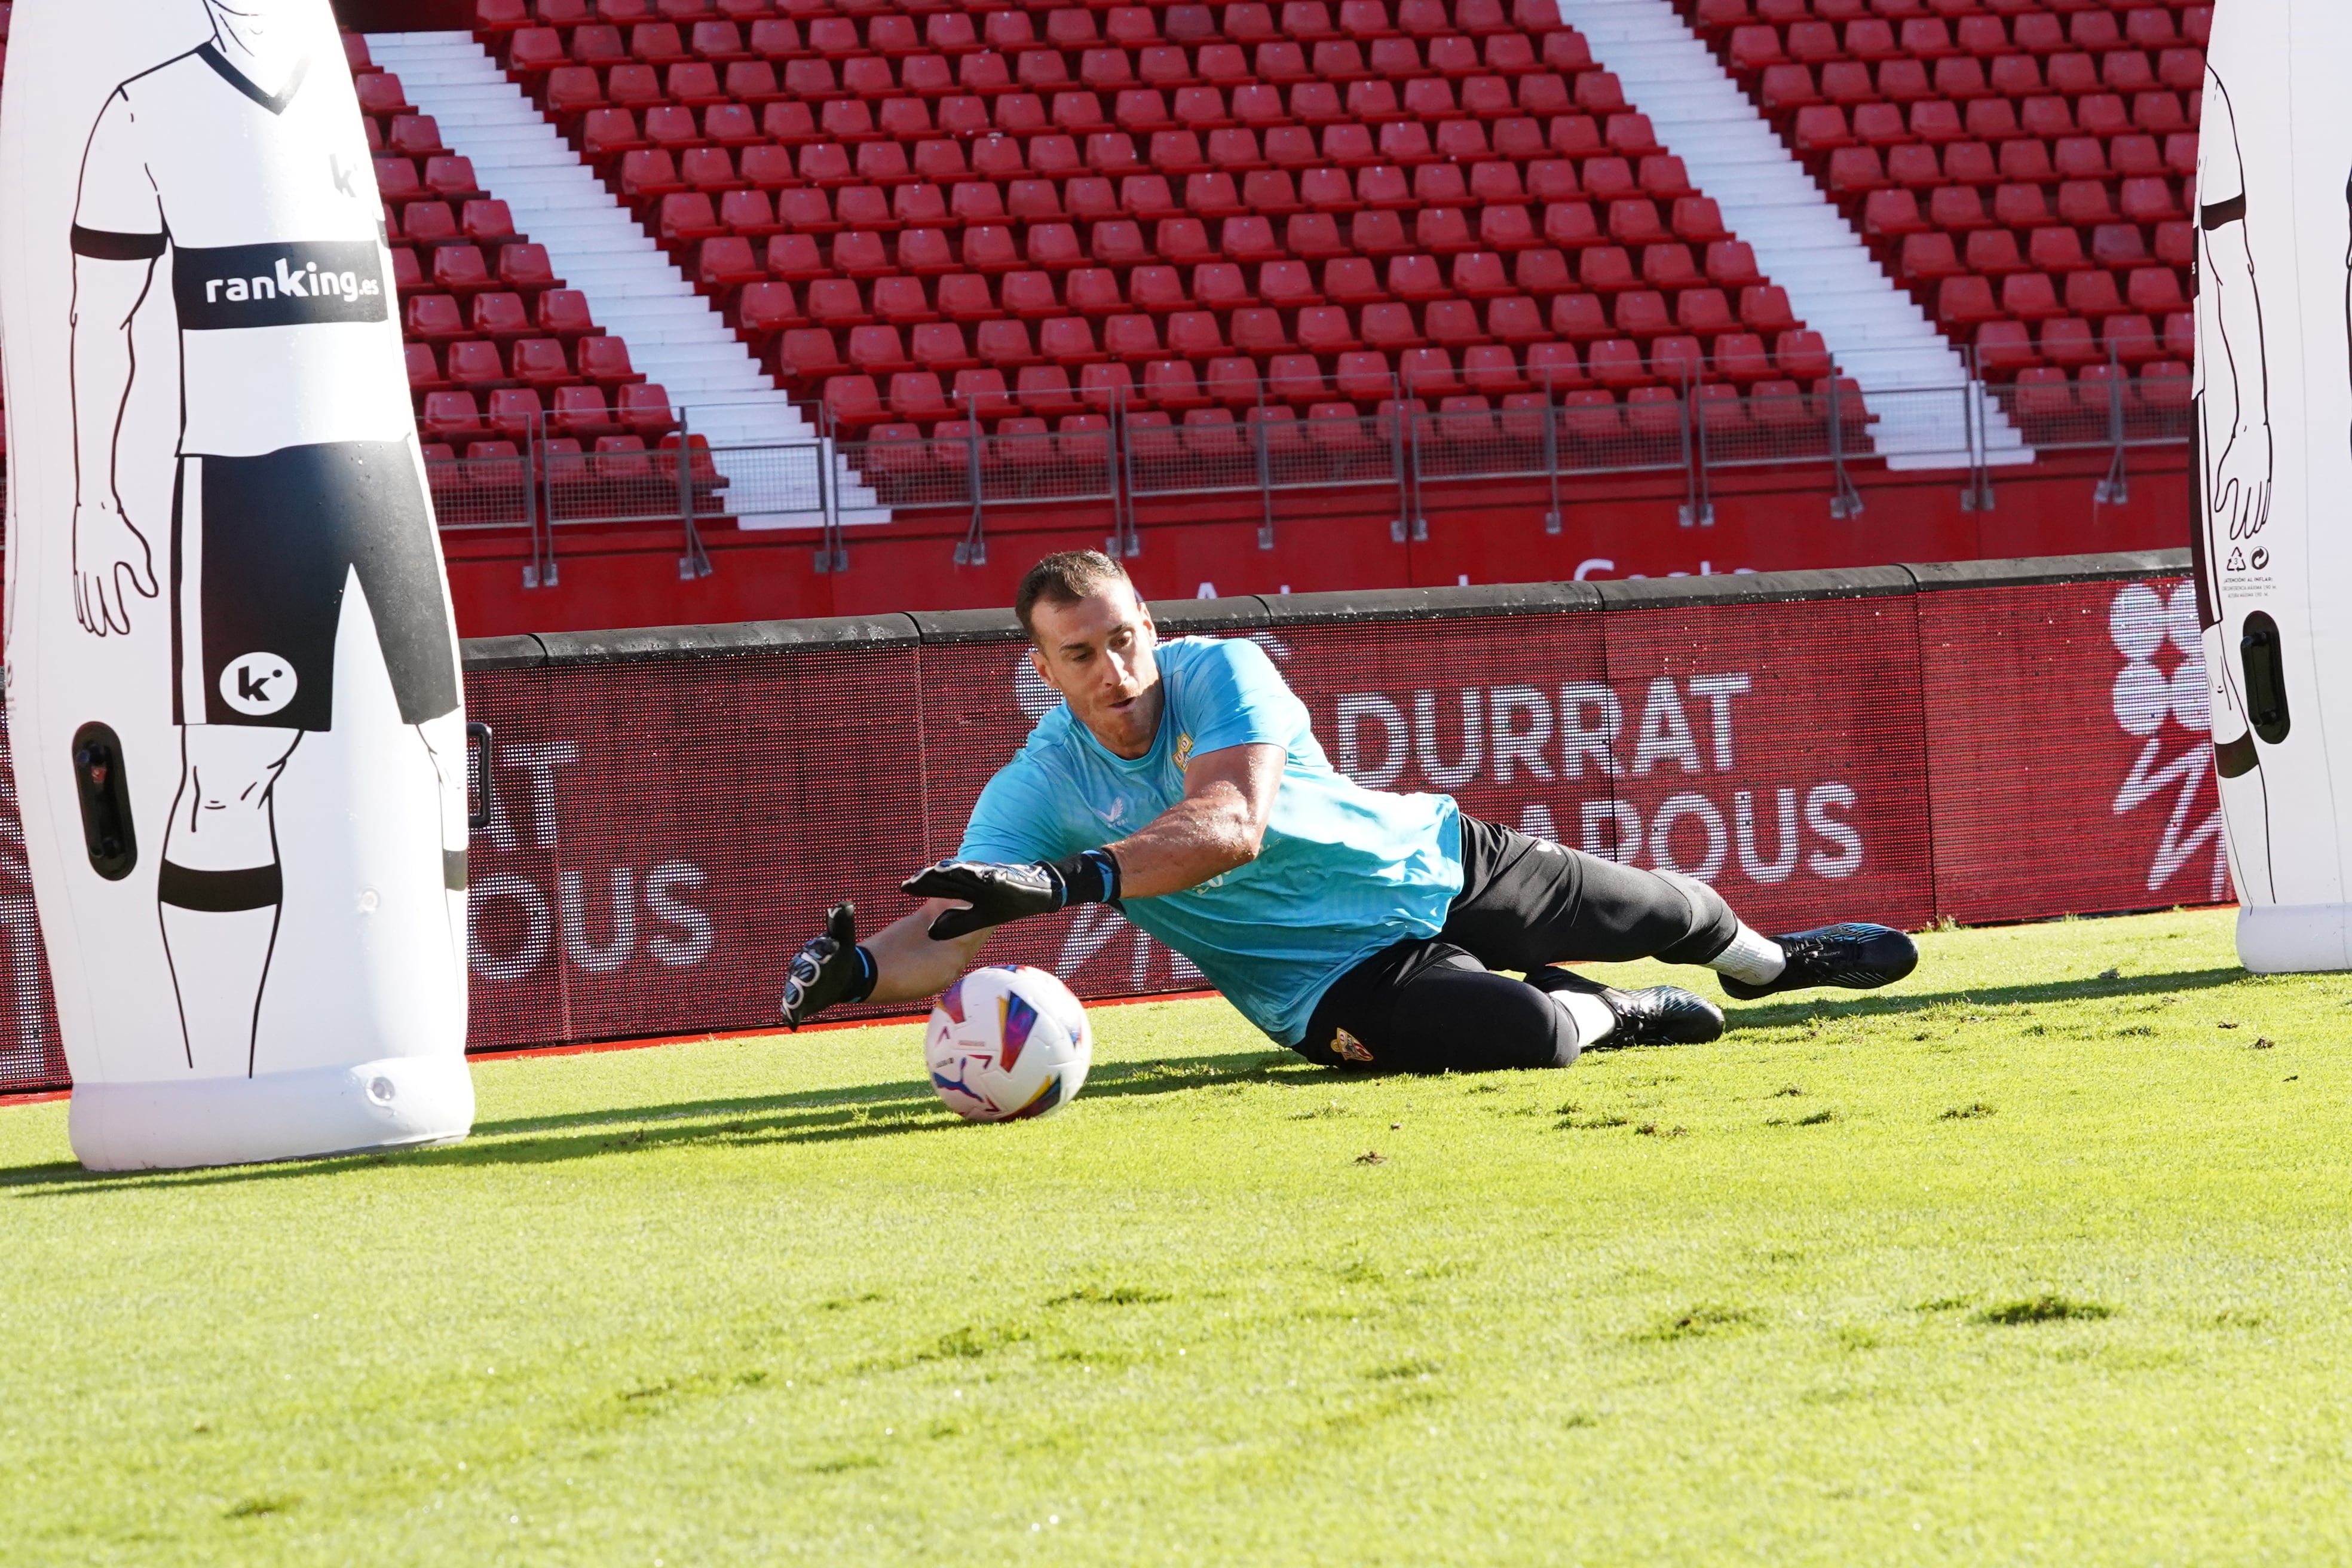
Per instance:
(2159,697)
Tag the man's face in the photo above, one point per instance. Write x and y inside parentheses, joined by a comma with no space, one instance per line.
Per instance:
(1097,653)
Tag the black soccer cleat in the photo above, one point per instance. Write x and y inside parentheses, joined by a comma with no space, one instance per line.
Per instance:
(1657,1015)
(1663,1015)
(1854,954)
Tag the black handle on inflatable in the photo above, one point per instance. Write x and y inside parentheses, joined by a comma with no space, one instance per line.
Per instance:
(480,741)
(2265,662)
(104,791)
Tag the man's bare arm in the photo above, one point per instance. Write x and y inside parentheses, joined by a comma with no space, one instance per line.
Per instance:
(908,965)
(899,963)
(1218,825)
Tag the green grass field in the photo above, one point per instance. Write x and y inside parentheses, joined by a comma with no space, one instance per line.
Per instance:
(2043,1255)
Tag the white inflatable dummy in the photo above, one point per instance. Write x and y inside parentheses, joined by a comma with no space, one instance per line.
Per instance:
(233,695)
(2274,523)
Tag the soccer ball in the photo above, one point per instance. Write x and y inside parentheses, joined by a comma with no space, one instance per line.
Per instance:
(1007,1043)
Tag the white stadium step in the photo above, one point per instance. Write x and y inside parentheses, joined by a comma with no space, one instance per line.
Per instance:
(1876,333)
(597,247)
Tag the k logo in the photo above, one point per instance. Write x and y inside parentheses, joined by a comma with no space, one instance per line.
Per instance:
(343,186)
(257,685)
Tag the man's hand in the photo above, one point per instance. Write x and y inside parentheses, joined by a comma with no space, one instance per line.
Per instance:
(111,560)
(997,893)
(826,971)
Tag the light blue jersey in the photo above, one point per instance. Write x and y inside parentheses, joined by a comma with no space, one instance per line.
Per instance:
(1344,871)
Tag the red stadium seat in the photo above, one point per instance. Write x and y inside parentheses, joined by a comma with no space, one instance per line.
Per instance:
(1158,289)
(1966,300)
(765,308)
(793,258)
(853,403)
(1249,239)
(2003,346)
(1376,234)
(1133,337)
(1092,291)
(2067,340)
(2156,290)
(2092,293)
(450,416)
(726,263)
(581,413)
(1364,376)
(965,297)
(1172,385)
(1389,327)
(1194,334)
(837,303)
(423,369)
(1994,252)
(2057,249)
(2129,339)
(2163,388)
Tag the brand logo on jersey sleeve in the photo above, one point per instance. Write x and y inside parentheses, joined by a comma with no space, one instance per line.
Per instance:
(298,284)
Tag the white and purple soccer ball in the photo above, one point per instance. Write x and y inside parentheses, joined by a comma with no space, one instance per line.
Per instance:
(1006,1043)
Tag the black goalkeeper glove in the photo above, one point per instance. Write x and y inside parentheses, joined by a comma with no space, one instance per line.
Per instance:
(831,968)
(998,893)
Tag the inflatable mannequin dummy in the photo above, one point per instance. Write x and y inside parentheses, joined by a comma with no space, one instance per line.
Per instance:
(232,690)
(2273,534)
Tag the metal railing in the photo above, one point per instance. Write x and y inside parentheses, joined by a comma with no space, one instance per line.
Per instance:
(1119,456)
(534,482)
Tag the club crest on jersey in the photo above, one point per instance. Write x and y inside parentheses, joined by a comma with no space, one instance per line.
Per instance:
(1183,750)
(298,284)
(257,685)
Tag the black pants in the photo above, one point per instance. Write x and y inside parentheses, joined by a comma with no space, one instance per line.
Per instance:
(1436,1005)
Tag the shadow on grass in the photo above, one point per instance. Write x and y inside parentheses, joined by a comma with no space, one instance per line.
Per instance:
(882,1110)
(815,1115)
(1869,1005)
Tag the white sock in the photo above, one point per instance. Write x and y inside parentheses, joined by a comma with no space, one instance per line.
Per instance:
(1755,959)
(1589,1014)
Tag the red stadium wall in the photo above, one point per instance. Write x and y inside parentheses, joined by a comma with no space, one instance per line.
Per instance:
(672,809)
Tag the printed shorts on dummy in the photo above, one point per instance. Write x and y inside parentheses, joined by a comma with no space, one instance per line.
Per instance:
(263,550)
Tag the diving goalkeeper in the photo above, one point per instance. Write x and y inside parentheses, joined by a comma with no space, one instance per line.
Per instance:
(1182,783)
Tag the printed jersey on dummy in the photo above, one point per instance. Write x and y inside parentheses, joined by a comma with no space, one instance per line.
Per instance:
(1343,872)
(271,292)
(303,477)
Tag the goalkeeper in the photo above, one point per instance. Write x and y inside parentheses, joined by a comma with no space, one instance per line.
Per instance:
(1180,783)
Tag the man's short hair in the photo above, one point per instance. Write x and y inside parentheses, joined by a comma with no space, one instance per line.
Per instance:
(1065,577)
